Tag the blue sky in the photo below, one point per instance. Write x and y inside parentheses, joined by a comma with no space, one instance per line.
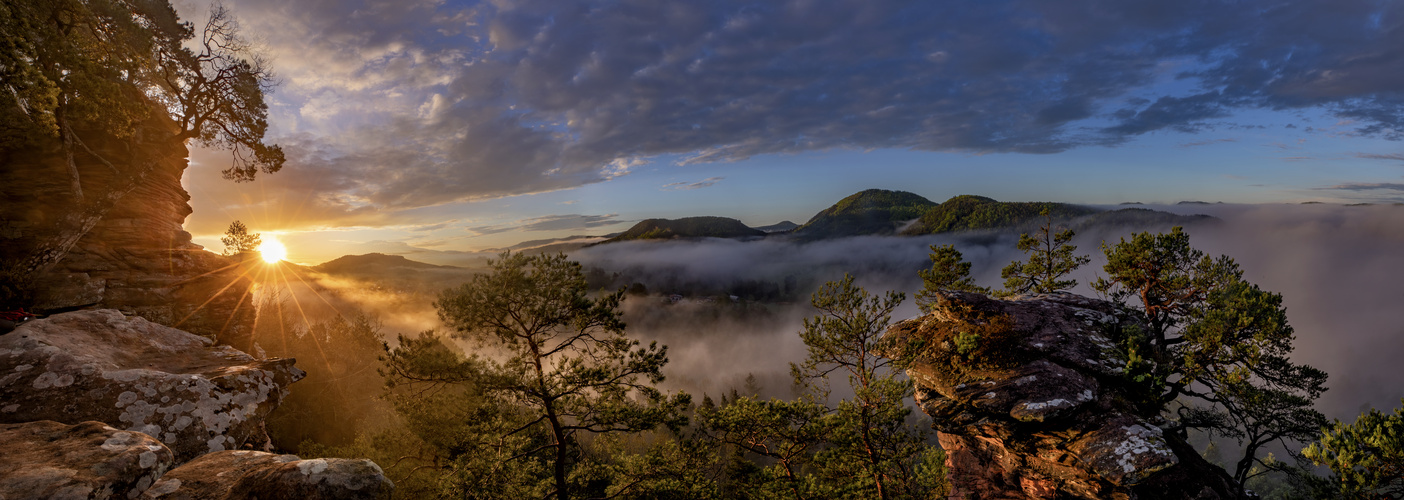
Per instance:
(464,126)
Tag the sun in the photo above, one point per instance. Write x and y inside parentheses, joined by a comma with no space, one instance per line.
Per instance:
(272,250)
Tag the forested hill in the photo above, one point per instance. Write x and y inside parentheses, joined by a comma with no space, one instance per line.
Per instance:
(872,211)
(968,212)
(687,227)
(360,263)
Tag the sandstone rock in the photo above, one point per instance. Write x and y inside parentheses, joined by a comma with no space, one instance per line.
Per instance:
(250,474)
(1030,401)
(139,376)
(138,258)
(47,459)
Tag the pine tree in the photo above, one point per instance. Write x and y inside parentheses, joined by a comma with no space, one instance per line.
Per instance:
(1050,259)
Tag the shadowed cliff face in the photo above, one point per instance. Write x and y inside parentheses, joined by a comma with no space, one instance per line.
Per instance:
(1029,400)
(137,258)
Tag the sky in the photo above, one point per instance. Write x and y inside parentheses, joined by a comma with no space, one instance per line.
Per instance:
(461,126)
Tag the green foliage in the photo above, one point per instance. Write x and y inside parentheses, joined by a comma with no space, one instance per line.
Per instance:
(237,239)
(784,434)
(1051,258)
(71,67)
(1366,457)
(873,211)
(687,227)
(967,212)
(568,364)
(948,273)
(966,342)
(1218,341)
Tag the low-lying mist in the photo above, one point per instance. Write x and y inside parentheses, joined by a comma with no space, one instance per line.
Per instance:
(728,309)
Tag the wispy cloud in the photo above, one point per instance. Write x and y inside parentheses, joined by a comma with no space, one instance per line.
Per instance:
(548,223)
(1373,156)
(1366,186)
(1207,142)
(708,182)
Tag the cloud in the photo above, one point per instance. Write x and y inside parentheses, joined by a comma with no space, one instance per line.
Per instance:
(1372,156)
(1367,186)
(549,223)
(708,182)
(404,104)
(1206,142)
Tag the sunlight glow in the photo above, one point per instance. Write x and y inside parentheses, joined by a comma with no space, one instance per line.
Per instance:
(272,250)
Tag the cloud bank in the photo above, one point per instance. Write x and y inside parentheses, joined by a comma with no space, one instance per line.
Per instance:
(394,104)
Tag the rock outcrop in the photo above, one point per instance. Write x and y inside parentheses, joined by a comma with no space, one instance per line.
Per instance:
(1030,401)
(48,459)
(137,258)
(230,475)
(137,375)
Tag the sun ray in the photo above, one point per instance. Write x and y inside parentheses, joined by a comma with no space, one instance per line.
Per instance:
(212,297)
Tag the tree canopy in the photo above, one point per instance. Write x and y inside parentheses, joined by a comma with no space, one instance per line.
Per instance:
(1214,339)
(568,361)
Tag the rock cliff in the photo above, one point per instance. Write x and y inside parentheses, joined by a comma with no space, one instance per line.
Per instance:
(1030,401)
(136,258)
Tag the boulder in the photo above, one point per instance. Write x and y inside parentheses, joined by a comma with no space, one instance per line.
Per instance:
(47,459)
(140,376)
(250,474)
(1030,400)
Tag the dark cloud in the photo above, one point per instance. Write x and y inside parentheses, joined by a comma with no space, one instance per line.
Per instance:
(1368,186)
(1372,156)
(425,102)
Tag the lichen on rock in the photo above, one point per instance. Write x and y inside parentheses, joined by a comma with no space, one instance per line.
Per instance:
(250,474)
(47,459)
(140,376)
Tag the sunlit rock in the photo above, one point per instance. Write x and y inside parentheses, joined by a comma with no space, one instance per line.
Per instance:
(48,459)
(136,375)
(136,257)
(1030,400)
(250,474)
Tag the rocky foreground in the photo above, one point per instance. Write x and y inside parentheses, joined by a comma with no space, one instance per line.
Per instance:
(97,404)
(1029,399)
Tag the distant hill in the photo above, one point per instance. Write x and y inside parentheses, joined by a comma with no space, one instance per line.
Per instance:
(378,261)
(968,212)
(1142,218)
(687,227)
(778,227)
(874,211)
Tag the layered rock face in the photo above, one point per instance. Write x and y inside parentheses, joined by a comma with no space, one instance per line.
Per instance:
(140,376)
(137,259)
(1030,401)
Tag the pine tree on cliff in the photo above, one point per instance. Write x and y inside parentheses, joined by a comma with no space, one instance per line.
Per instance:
(948,272)
(1214,340)
(1051,258)
(570,365)
(79,71)
(237,239)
